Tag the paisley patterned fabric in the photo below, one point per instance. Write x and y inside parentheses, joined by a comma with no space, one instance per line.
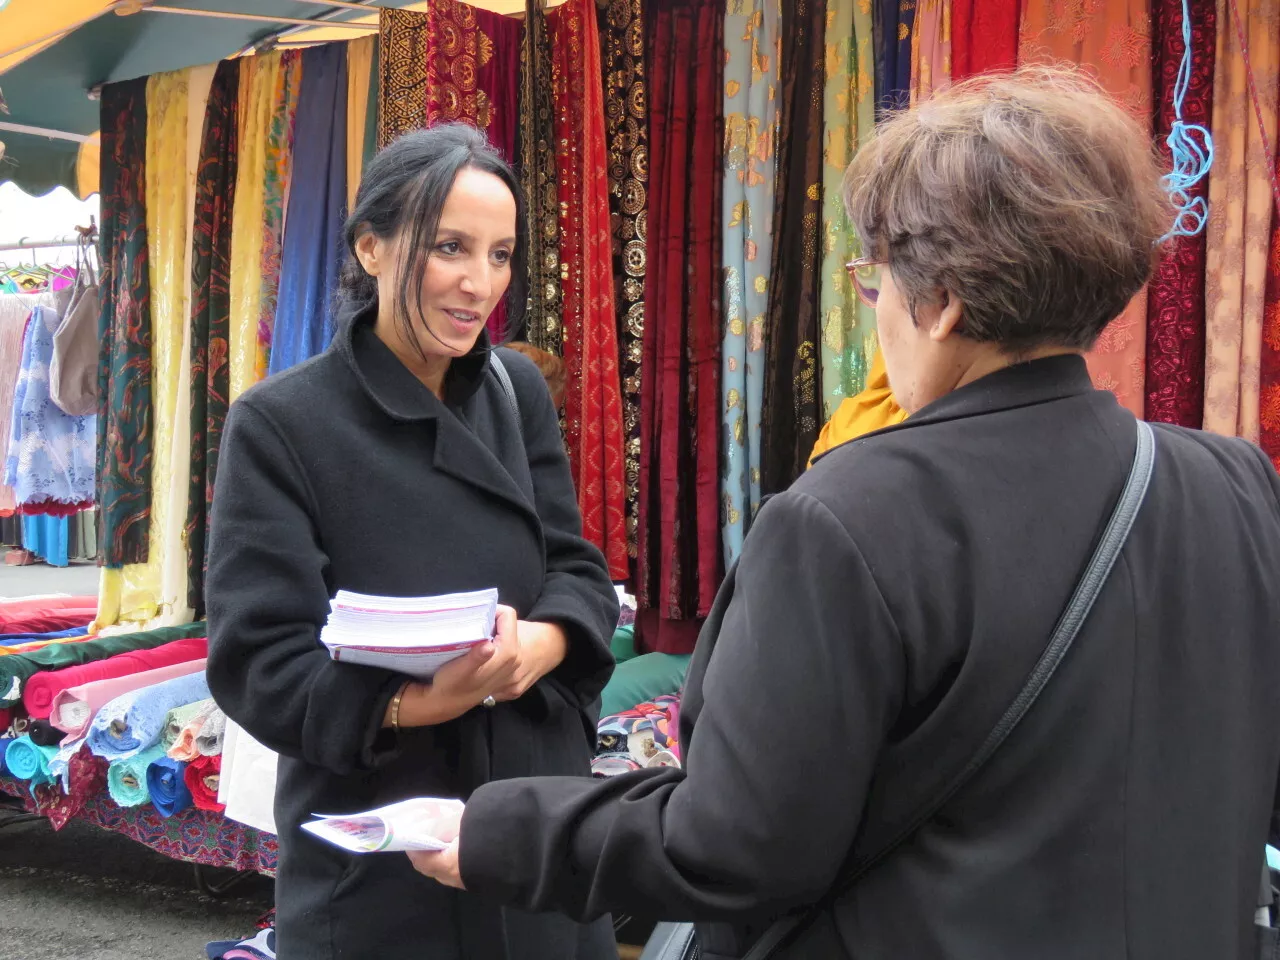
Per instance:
(124,445)
(930,49)
(1175,297)
(1269,408)
(848,325)
(626,113)
(751,37)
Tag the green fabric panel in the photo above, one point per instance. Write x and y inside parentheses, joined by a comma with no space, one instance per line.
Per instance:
(23,666)
(647,676)
(371,117)
(623,644)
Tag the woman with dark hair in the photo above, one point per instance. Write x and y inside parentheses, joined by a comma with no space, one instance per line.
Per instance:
(399,463)
(903,719)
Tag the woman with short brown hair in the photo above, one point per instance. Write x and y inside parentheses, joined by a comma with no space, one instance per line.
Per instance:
(1020,547)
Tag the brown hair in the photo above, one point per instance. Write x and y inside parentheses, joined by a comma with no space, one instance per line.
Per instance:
(549,365)
(1033,197)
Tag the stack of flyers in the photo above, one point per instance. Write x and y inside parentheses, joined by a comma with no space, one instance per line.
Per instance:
(419,824)
(415,636)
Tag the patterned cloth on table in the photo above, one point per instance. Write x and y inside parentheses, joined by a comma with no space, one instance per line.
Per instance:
(127,779)
(751,37)
(593,402)
(134,721)
(184,746)
(83,781)
(202,776)
(984,36)
(124,445)
(678,569)
(626,112)
(646,735)
(50,454)
(166,781)
(1175,296)
(313,251)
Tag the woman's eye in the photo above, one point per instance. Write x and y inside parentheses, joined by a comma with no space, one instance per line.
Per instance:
(449,247)
(502,256)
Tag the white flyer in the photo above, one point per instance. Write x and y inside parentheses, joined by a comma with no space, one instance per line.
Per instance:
(424,823)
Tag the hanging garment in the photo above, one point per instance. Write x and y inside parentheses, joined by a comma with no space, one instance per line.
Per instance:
(313,248)
(679,565)
(73,373)
(46,537)
(1175,296)
(1243,207)
(792,407)
(124,444)
(593,402)
(538,176)
(930,49)
(50,455)
(1269,403)
(627,129)
(360,57)
(848,325)
(984,37)
(894,20)
(1113,42)
(210,312)
(15,311)
(751,36)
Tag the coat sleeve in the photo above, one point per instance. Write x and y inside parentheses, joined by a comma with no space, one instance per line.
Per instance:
(799,694)
(267,600)
(577,593)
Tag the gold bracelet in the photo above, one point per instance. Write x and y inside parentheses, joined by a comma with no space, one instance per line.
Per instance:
(395,706)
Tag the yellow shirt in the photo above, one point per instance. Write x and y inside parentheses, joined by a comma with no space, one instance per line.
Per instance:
(873,409)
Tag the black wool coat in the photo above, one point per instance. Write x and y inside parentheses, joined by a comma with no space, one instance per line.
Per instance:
(345,472)
(884,613)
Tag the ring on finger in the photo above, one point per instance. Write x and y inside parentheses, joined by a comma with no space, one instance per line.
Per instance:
(489,701)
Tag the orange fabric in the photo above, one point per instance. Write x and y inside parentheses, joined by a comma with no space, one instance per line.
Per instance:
(873,409)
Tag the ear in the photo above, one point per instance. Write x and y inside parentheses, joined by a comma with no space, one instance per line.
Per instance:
(372,253)
(950,313)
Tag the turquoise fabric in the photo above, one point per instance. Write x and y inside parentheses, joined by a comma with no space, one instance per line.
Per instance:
(641,679)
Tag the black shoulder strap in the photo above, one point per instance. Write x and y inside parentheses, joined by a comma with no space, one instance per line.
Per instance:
(508,389)
(1064,634)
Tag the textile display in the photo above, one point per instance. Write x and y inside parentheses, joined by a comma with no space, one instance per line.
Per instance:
(313,248)
(593,402)
(539,179)
(37,615)
(1113,41)
(48,538)
(25,639)
(201,777)
(360,57)
(73,707)
(134,721)
(679,563)
(984,37)
(646,735)
(15,311)
(1241,209)
(18,670)
(127,779)
(848,325)
(209,739)
(26,761)
(4,749)
(166,782)
(124,443)
(751,36)
(626,112)
(210,312)
(792,407)
(895,23)
(180,718)
(44,690)
(1269,403)
(930,50)
(184,746)
(83,776)
(192,836)
(43,733)
(1176,294)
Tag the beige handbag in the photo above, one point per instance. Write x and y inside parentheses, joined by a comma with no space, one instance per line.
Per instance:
(73,375)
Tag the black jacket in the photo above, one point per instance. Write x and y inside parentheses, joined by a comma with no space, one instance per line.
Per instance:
(884,613)
(346,473)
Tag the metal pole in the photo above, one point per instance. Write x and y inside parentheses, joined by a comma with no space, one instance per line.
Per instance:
(342,3)
(259,18)
(43,132)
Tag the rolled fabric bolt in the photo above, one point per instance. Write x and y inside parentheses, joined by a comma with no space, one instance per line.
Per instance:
(127,779)
(209,739)
(26,761)
(166,781)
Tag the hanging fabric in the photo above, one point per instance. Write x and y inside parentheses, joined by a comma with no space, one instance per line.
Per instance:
(792,405)
(15,311)
(894,21)
(124,445)
(593,402)
(210,311)
(360,54)
(1243,206)
(1269,413)
(1175,298)
(984,37)
(751,38)
(679,565)
(627,127)
(1086,35)
(313,248)
(930,49)
(848,325)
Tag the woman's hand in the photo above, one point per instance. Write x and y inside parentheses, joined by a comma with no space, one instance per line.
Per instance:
(542,647)
(440,865)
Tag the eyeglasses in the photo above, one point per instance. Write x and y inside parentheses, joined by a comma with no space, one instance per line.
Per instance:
(864,274)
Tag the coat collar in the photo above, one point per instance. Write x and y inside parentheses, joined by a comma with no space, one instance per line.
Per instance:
(392,386)
(1020,385)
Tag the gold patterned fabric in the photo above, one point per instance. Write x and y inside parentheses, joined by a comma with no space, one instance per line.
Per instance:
(627,135)
(538,175)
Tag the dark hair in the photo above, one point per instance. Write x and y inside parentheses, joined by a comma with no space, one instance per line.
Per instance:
(1034,197)
(401,195)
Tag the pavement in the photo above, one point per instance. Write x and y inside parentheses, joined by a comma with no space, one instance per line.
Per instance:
(78,580)
(83,893)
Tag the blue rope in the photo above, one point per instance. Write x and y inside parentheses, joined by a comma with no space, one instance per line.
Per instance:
(1192,148)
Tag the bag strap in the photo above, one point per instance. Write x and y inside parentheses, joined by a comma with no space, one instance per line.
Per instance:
(508,389)
(1064,634)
